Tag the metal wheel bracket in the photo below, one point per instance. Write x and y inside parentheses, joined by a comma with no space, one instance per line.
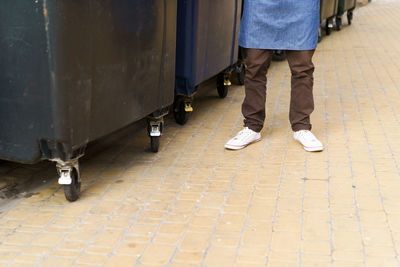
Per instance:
(329,24)
(238,68)
(65,170)
(155,128)
(65,177)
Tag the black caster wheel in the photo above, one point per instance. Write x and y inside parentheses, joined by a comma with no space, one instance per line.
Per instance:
(338,23)
(328,27)
(155,143)
(279,55)
(222,85)
(73,190)
(241,74)
(349,17)
(327,30)
(319,35)
(180,114)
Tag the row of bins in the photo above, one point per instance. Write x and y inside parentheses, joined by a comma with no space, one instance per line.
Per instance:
(333,11)
(74,71)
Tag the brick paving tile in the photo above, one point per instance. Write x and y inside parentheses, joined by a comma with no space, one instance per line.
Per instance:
(271,204)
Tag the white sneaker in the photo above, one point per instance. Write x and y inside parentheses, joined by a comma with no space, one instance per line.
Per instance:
(308,140)
(244,138)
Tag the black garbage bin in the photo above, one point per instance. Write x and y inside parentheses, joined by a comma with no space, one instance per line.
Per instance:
(328,12)
(74,71)
(207,45)
(343,7)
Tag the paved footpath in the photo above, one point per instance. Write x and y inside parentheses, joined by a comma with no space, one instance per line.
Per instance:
(271,204)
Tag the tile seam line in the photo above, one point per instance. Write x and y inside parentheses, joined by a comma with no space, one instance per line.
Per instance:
(174,200)
(266,145)
(208,180)
(369,149)
(282,85)
(356,205)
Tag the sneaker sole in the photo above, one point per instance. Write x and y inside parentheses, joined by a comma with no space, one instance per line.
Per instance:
(310,149)
(230,147)
(313,149)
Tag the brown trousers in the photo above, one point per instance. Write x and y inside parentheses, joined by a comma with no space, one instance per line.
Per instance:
(301,101)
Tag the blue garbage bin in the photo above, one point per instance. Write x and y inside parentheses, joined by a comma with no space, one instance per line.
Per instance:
(207,45)
(74,71)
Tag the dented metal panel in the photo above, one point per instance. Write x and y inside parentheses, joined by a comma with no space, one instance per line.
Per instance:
(72,71)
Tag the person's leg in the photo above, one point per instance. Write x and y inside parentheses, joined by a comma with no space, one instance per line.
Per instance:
(253,107)
(302,99)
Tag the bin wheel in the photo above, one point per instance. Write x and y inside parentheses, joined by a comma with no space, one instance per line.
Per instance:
(327,30)
(222,85)
(328,27)
(155,143)
(241,74)
(279,55)
(180,114)
(349,16)
(73,190)
(338,23)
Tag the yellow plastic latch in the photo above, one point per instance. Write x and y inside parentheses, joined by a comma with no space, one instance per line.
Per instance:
(188,108)
(227,83)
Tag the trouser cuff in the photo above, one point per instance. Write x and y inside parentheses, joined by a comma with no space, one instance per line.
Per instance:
(254,127)
(299,127)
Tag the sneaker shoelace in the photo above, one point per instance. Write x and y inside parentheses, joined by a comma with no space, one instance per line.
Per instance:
(245,131)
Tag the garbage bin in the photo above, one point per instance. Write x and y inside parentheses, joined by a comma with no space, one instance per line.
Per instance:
(74,71)
(207,45)
(328,12)
(343,6)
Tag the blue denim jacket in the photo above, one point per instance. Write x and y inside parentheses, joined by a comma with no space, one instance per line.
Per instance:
(280,24)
